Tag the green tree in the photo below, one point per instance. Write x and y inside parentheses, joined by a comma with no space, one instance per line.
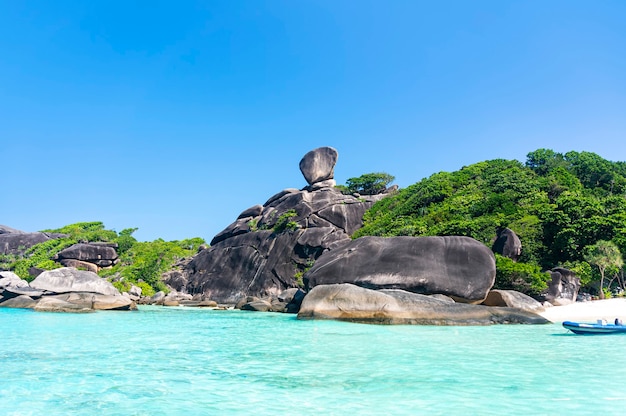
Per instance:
(604,254)
(369,183)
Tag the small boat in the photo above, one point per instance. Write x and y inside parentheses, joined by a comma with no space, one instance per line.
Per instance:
(601,327)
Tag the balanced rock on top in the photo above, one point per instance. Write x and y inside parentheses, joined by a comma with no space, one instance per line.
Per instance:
(319,165)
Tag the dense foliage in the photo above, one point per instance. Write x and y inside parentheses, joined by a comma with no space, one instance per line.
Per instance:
(558,204)
(367,184)
(141,263)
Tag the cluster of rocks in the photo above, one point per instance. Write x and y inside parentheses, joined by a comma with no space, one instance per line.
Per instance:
(62,290)
(269,247)
(380,280)
(16,242)
(179,299)
(348,302)
(302,238)
(289,301)
(89,256)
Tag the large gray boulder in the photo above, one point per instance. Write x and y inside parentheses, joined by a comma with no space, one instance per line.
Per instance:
(563,288)
(507,244)
(21,301)
(266,254)
(319,165)
(10,279)
(66,279)
(100,254)
(8,230)
(459,267)
(346,302)
(17,243)
(513,299)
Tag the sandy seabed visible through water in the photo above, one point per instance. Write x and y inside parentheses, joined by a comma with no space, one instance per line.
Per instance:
(188,361)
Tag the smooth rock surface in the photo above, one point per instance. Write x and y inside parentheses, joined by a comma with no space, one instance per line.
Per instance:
(67,279)
(251,258)
(10,279)
(459,267)
(507,244)
(513,299)
(346,302)
(319,165)
(21,301)
(52,304)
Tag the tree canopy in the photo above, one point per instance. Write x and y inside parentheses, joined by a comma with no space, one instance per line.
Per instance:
(557,204)
(368,184)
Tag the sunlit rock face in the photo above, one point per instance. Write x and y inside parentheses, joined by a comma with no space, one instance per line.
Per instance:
(459,267)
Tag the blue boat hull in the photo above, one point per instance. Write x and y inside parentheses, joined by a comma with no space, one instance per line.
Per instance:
(594,329)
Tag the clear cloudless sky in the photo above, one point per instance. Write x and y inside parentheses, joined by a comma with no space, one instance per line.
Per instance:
(175,116)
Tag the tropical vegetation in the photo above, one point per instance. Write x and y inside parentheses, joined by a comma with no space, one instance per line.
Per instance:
(560,206)
(141,263)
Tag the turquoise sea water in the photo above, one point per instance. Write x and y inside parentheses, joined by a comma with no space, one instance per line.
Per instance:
(185,361)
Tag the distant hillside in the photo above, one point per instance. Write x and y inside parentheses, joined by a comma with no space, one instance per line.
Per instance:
(558,204)
(140,263)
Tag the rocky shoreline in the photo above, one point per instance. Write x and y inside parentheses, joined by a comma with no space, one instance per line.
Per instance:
(295,254)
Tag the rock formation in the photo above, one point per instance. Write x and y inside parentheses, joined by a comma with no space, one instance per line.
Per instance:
(563,288)
(319,165)
(63,290)
(268,247)
(459,267)
(346,302)
(8,230)
(507,244)
(88,256)
(16,243)
(513,299)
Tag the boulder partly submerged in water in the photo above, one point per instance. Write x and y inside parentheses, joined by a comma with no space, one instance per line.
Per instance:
(347,302)
(67,290)
(68,279)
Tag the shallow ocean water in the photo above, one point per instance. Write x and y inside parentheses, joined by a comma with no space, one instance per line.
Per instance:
(186,361)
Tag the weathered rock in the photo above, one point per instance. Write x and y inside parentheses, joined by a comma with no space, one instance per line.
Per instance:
(199,303)
(262,261)
(442,298)
(67,279)
(79,264)
(90,252)
(95,301)
(35,271)
(134,291)
(507,244)
(563,288)
(328,183)
(292,299)
(459,267)
(21,301)
(157,297)
(513,299)
(351,303)
(257,306)
(170,302)
(278,306)
(11,292)
(245,299)
(251,212)
(10,279)
(8,230)
(319,165)
(18,243)
(52,304)
(290,294)
(117,302)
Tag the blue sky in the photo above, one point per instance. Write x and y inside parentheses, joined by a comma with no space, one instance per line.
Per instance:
(174,117)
